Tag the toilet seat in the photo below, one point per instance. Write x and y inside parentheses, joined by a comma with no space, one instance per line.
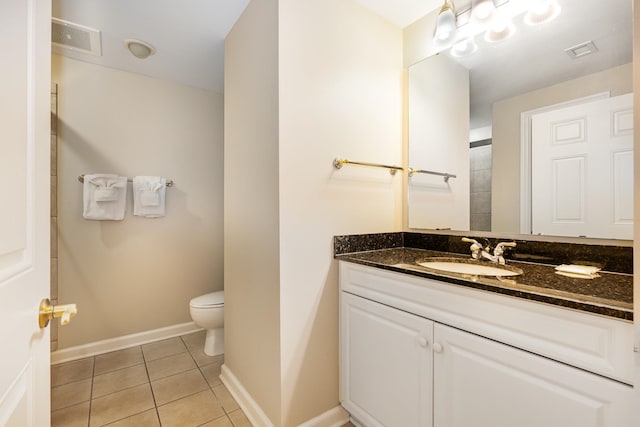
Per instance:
(213,299)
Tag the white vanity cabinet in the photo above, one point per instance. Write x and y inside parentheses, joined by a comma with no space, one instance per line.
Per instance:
(482,383)
(411,357)
(387,375)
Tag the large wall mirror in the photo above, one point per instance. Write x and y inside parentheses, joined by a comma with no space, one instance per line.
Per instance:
(481,117)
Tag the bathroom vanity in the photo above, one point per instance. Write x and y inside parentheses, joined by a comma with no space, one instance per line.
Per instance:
(425,349)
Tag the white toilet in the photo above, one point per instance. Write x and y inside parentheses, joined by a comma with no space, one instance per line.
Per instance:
(207,311)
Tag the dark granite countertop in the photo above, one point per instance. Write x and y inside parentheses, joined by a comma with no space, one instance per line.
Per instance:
(611,294)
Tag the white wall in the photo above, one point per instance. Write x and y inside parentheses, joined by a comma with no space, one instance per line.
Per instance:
(137,274)
(339,80)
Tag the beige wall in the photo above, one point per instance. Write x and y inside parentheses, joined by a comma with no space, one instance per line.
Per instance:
(339,93)
(439,141)
(506,135)
(251,222)
(418,39)
(137,274)
(636,184)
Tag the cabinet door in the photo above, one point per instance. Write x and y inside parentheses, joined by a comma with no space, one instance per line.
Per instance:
(482,383)
(385,364)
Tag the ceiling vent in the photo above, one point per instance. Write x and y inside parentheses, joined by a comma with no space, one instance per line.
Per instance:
(78,38)
(582,49)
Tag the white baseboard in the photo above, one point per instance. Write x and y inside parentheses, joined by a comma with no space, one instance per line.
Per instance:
(334,417)
(118,343)
(252,410)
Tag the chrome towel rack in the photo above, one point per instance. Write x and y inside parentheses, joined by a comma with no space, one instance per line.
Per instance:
(338,163)
(443,174)
(169,181)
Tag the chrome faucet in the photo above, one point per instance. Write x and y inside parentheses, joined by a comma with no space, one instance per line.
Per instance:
(479,252)
(499,250)
(476,248)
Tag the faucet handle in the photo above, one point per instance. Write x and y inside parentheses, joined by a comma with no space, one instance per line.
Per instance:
(499,250)
(475,247)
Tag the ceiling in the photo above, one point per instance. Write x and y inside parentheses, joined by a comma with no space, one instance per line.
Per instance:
(534,57)
(188,36)
(403,12)
(189,40)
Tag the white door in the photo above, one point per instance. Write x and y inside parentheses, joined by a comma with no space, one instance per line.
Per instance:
(385,364)
(582,170)
(481,383)
(25,36)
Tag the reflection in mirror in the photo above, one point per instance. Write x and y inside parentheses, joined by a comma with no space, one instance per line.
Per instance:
(486,136)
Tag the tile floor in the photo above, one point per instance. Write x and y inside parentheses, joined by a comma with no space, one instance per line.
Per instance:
(165,383)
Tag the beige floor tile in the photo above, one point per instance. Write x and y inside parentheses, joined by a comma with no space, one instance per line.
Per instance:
(71,371)
(119,380)
(171,365)
(122,404)
(194,340)
(160,349)
(212,373)
(72,416)
(226,400)
(145,419)
(70,394)
(178,386)
(219,422)
(118,359)
(191,411)
(239,419)
(202,359)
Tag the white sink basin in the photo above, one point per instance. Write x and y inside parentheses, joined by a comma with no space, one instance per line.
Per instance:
(469,267)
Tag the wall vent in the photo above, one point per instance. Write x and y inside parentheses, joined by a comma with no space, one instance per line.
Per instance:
(78,38)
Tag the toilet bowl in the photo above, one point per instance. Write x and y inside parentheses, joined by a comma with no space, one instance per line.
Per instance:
(207,311)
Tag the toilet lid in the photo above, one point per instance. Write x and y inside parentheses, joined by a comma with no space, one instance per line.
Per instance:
(212,299)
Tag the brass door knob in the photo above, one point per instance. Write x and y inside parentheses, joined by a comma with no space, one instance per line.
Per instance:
(47,312)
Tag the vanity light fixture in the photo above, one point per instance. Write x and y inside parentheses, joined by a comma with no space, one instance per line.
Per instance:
(465,47)
(501,29)
(482,11)
(139,49)
(446,27)
(542,11)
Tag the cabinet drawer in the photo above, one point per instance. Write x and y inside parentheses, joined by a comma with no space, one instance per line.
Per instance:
(595,343)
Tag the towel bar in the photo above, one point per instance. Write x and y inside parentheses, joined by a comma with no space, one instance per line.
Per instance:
(338,163)
(169,181)
(443,174)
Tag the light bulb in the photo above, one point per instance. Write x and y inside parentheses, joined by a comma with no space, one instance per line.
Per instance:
(501,29)
(465,47)
(482,11)
(542,11)
(446,25)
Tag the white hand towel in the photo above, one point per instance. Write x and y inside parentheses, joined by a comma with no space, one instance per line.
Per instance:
(104,197)
(149,196)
